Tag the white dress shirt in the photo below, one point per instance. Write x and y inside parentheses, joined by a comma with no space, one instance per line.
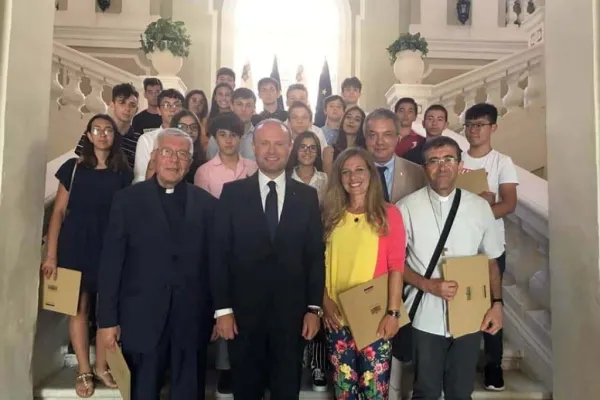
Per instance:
(263,184)
(474,232)
(143,152)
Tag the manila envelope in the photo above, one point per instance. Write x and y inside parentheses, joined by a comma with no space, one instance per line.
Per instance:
(62,295)
(120,371)
(364,306)
(473,298)
(473,181)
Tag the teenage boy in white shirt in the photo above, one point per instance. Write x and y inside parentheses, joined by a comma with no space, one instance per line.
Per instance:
(480,123)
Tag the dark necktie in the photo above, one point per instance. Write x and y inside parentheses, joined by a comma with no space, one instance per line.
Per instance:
(386,195)
(271,209)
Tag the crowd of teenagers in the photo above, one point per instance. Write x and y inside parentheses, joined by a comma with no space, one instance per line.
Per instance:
(197,222)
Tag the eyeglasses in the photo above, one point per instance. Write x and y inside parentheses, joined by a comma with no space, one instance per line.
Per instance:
(182,155)
(477,126)
(312,148)
(450,160)
(97,131)
(168,106)
(193,128)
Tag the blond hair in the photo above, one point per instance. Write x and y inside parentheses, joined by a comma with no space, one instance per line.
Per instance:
(337,200)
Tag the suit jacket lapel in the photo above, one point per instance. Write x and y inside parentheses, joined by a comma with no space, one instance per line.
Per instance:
(256,206)
(397,182)
(288,206)
(156,208)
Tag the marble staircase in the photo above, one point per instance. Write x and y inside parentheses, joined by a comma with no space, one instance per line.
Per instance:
(59,386)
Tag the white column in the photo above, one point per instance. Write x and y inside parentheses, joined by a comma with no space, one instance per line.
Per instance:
(25,77)
(571,44)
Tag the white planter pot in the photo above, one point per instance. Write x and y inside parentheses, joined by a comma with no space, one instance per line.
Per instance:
(165,63)
(409,67)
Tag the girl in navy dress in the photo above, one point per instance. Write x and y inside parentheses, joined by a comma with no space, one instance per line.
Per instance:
(79,220)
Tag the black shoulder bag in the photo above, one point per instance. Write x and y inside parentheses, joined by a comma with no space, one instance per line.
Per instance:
(402,342)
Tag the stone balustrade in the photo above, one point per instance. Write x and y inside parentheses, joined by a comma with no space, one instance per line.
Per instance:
(518,11)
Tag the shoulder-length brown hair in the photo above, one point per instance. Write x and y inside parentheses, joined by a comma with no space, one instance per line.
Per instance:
(116,160)
(337,200)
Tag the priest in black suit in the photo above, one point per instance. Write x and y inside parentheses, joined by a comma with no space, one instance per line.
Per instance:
(268,273)
(154,275)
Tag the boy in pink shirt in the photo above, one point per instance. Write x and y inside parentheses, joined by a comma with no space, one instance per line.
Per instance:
(228,165)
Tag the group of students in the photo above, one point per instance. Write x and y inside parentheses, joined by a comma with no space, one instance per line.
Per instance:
(364,235)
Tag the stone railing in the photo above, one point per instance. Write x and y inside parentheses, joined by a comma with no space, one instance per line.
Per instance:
(81,87)
(514,84)
(519,11)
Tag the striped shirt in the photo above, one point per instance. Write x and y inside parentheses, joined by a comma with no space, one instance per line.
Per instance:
(128,145)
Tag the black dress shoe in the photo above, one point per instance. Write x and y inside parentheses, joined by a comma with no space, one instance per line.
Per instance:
(494,378)
(225,384)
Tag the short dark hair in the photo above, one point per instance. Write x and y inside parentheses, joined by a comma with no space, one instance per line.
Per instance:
(125,90)
(381,114)
(482,110)
(299,104)
(296,86)
(170,94)
(441,141)
(333,97)
(436,107)
(228,121)
(225,71)
(406,100)
(268,80)
(243,93)
(152,82)
(352,82)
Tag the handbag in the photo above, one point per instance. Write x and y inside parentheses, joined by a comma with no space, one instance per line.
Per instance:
(402,342)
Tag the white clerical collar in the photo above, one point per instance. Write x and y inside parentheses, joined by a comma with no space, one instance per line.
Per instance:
(442,199)
(170,190)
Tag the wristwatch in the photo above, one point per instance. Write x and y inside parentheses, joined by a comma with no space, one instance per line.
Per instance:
(393,313)
(499,300)
(317,311)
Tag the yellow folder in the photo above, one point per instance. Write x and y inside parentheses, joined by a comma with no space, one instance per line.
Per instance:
(120,371)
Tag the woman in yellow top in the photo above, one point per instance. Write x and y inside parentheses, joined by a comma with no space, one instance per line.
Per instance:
(365,238)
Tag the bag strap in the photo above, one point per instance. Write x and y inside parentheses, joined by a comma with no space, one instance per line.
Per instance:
(438,251)
(71,184)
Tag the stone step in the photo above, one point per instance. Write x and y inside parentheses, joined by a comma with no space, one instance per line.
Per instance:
(61,387)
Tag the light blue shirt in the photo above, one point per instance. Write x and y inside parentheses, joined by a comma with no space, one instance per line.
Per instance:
(331,134)
(388,174)
(246,149)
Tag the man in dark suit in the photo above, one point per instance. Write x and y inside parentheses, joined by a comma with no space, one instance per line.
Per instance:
(268,272)
(154,279)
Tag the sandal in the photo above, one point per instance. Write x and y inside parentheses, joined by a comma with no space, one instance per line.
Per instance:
(84,385)
(106,378)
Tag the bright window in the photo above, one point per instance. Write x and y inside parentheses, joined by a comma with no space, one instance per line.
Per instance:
(302,32)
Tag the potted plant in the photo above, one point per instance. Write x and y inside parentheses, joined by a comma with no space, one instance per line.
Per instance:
(406,55)
(166,43)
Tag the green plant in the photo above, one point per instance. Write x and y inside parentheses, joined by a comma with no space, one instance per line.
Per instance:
(407,41)
(165,34)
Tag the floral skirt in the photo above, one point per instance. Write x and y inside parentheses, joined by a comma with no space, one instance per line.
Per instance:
(363,374)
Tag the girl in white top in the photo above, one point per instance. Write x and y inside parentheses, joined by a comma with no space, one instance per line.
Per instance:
(305,164)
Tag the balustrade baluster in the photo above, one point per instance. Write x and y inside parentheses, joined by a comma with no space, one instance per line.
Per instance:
(514,96)
(534,92)
(72,94)
(469,96)
(513,8)
(494,96)
(453,118)
(56,88)
(94,101)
